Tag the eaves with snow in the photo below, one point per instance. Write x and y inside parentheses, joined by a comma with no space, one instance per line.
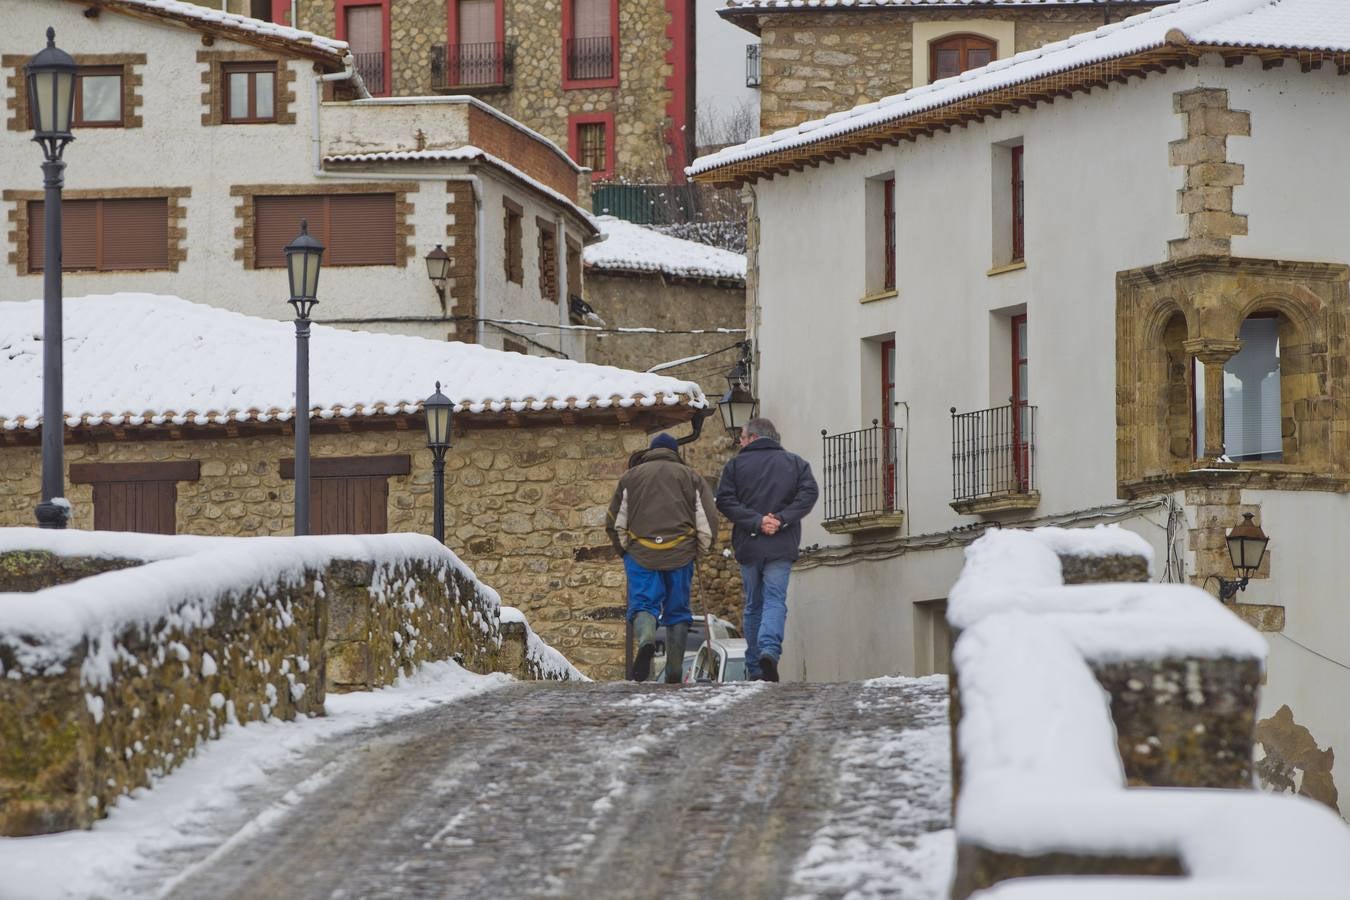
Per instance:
(134,360)
(633,249)
(1167,36)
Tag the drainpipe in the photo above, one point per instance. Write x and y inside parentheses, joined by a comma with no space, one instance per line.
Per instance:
(564,301)
(316,146)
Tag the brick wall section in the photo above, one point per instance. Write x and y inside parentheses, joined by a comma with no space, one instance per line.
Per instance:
(816,63)
(519,503)
(462,243)
(1207,198)
(490,133)
(132,81)
(213,93)
(536,96)
(18,233)
(404,230)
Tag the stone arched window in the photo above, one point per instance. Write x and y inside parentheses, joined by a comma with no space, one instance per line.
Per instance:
(1252,402)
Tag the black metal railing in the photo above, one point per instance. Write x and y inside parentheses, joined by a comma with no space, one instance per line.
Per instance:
(370,66)
(993,451)
(752,65)
(482,65)
(861,472)
(590,58)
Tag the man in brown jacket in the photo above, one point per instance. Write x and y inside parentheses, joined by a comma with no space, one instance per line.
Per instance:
(661,517)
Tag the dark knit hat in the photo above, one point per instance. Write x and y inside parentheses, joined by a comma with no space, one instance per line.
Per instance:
(664,441)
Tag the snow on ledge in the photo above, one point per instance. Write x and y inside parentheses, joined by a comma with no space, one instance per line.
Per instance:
(632,248)
(550,661)
(1101,540)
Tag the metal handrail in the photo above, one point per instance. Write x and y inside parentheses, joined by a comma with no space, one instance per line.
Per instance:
(993,451)
(590,58)
(487,64)
(861,472)
(371,68)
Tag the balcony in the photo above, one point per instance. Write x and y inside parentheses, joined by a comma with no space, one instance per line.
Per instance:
(590,58)
(861,469)
(470,67)
(752,76)
(371,67)
(994,460)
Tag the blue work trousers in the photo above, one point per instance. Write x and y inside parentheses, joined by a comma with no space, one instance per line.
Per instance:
(663,594)
(766,583)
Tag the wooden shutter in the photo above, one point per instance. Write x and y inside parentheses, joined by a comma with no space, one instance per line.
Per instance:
(79,235)
(144,506)
(350,505)
(276,222)
(477,21)
(135,234)
(361,230)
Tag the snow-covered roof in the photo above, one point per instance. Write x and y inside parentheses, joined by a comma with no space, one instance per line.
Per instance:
(632,248)
(467,153)
(867,4)
(243,27)
(142,359)
(1287,24)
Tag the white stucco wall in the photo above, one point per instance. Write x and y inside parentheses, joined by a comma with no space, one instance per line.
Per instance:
(174,149)
(719,73)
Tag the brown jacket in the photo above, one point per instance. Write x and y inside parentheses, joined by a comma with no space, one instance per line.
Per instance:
(662,513)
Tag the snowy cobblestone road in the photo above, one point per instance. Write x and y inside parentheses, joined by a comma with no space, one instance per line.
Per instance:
(608,790)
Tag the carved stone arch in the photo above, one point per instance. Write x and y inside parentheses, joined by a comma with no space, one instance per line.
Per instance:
(1303,310)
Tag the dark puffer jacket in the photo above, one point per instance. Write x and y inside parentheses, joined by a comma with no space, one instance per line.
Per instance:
(764,478)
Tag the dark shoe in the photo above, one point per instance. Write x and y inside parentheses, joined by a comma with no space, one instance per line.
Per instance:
(673,679)
(642,663)
(768,667)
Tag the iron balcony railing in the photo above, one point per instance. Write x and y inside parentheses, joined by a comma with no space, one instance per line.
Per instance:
(590,58)
(860,472)
(487,64)
(993,452)
(752,76)
(371,67)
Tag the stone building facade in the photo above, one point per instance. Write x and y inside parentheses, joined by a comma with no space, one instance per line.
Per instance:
(642,99)
(816,61)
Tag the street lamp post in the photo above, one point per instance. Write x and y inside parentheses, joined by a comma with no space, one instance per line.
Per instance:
(440,411)
(438,270)
(51,98)
(1246,548)
(738,405)
(303,257)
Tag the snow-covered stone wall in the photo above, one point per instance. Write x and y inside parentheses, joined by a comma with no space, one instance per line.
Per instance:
(111,680)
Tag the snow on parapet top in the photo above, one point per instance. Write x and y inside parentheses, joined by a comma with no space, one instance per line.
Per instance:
(210,16)
(1304,24)
(633,248)
(1102,540)
(135,359)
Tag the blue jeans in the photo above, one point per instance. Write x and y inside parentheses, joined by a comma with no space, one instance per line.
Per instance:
(766,584)
(663,594)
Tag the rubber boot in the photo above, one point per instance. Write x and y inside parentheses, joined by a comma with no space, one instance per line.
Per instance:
(676,637)
(644,636)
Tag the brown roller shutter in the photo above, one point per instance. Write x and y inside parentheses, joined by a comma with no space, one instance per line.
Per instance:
(276,222)
(361,230)
(79,235)
(136,234)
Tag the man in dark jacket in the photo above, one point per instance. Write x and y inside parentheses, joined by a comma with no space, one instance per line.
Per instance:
(766,492)
(660,518)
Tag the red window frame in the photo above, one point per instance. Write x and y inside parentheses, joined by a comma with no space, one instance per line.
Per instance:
(1020,400)
(888,224)
(341,12)
(1019,249)
(574,138)
(888,418)
(568,82)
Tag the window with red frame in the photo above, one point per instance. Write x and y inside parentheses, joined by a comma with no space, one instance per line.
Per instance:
(1018,206)
(593,146)
(591,41)
(888,226)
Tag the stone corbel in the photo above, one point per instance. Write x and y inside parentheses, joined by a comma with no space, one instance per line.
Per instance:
(1214,353)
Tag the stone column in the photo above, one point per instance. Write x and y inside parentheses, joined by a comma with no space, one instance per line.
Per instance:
(1214,354)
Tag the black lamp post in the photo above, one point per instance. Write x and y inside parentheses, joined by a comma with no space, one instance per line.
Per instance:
(51,100)
(438,270)
(440,412)
(303,256)
(1246,548)
(738,405)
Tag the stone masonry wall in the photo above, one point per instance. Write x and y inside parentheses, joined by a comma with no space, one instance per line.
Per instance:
(519,503)
(815,63)
(535,95)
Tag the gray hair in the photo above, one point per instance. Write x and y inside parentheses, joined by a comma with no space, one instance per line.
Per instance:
(761,428)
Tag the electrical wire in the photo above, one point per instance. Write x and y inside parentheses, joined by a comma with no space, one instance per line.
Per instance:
(1335,662)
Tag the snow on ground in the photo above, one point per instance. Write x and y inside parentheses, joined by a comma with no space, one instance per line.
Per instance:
(632,248)
(888,833)
(176,817)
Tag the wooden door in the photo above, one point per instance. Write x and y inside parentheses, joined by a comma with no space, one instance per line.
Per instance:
(888,442)
(349,505)
(1020,412)
(144,506)
(479,58)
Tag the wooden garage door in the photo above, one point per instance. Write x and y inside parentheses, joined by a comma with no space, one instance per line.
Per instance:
(135,496)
